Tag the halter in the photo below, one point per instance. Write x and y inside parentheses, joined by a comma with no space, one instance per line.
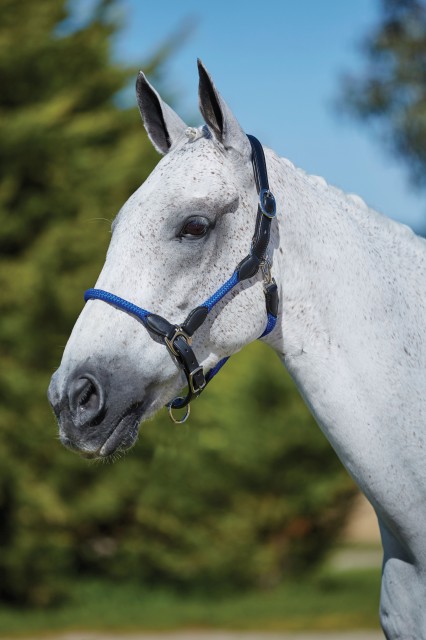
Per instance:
(178,338)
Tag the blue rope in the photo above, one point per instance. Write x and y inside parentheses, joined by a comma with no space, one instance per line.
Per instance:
(272,321)
(221,293)
(211,374)
(99,294)
(139,312)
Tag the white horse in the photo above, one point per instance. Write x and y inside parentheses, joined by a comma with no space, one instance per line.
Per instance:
(351,324)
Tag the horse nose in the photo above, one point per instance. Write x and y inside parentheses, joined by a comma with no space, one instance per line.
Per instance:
(83,396)
(86,399)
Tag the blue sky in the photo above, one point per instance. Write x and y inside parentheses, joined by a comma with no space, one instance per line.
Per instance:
(277,63)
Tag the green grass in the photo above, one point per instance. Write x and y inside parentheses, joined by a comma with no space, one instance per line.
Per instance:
(329,600)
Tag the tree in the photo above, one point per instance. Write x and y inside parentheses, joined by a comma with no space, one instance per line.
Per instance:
(69,157)
(391,91)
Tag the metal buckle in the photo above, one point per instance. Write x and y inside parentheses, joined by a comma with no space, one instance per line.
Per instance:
(185,417)
(266,272)
(191,380)
(170,343)
(267,194)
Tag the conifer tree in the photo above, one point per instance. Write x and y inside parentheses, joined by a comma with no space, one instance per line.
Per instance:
(69,157)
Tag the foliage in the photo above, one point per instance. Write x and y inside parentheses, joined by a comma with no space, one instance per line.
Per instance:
(68,157)
(251,491)
(391,91)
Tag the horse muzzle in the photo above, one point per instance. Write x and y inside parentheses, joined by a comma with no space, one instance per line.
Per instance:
(87,422)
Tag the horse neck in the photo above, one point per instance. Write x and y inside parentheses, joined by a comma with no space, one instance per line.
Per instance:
(312,247)
(352,314)
(333,259)
(352,333)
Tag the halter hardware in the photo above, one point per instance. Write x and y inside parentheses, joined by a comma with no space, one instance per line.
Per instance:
(196,389)
(178,338)
(265,267)
(185,416)
(267,202)
(170,342)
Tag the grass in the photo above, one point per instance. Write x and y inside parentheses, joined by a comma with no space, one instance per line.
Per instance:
(329,600)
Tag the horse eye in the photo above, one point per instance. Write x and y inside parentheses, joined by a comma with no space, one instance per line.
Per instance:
(195,227)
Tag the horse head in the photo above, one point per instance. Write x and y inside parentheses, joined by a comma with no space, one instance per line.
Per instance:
(174,242)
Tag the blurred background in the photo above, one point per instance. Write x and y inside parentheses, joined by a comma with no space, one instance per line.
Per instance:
(240,518)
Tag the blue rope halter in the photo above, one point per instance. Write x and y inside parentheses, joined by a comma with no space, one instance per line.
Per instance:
(177,338)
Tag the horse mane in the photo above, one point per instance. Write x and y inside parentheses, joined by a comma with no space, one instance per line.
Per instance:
(357,207)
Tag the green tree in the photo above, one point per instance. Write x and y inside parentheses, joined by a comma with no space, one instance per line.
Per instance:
(244,495)
(390,93)
(68,158)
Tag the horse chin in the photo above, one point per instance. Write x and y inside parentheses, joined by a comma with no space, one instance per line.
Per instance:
(122,434)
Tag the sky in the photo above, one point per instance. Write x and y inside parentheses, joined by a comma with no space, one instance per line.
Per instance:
(278,63)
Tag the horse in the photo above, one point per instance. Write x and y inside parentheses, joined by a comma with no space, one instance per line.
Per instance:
(346,284)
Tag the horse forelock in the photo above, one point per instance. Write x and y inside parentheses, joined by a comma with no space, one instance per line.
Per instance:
(195,133)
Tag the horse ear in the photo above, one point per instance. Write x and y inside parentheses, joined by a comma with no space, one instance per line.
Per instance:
(163,125)
(218,116)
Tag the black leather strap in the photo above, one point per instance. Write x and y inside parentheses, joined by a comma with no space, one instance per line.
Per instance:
(193,372)
(247,268)
(177,338)
(271,295)
(194,320)
(250,265)
(259,164)
(159,326)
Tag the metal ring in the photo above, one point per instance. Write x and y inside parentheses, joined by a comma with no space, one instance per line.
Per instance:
(182,420)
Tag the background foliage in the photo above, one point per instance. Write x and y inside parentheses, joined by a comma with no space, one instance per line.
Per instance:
(390,92)
(251,490)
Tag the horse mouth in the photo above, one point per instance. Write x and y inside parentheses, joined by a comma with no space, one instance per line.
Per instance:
(124,434)
(121,437)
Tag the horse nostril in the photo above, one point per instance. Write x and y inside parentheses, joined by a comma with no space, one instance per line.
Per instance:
(86,393)
(86,399)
